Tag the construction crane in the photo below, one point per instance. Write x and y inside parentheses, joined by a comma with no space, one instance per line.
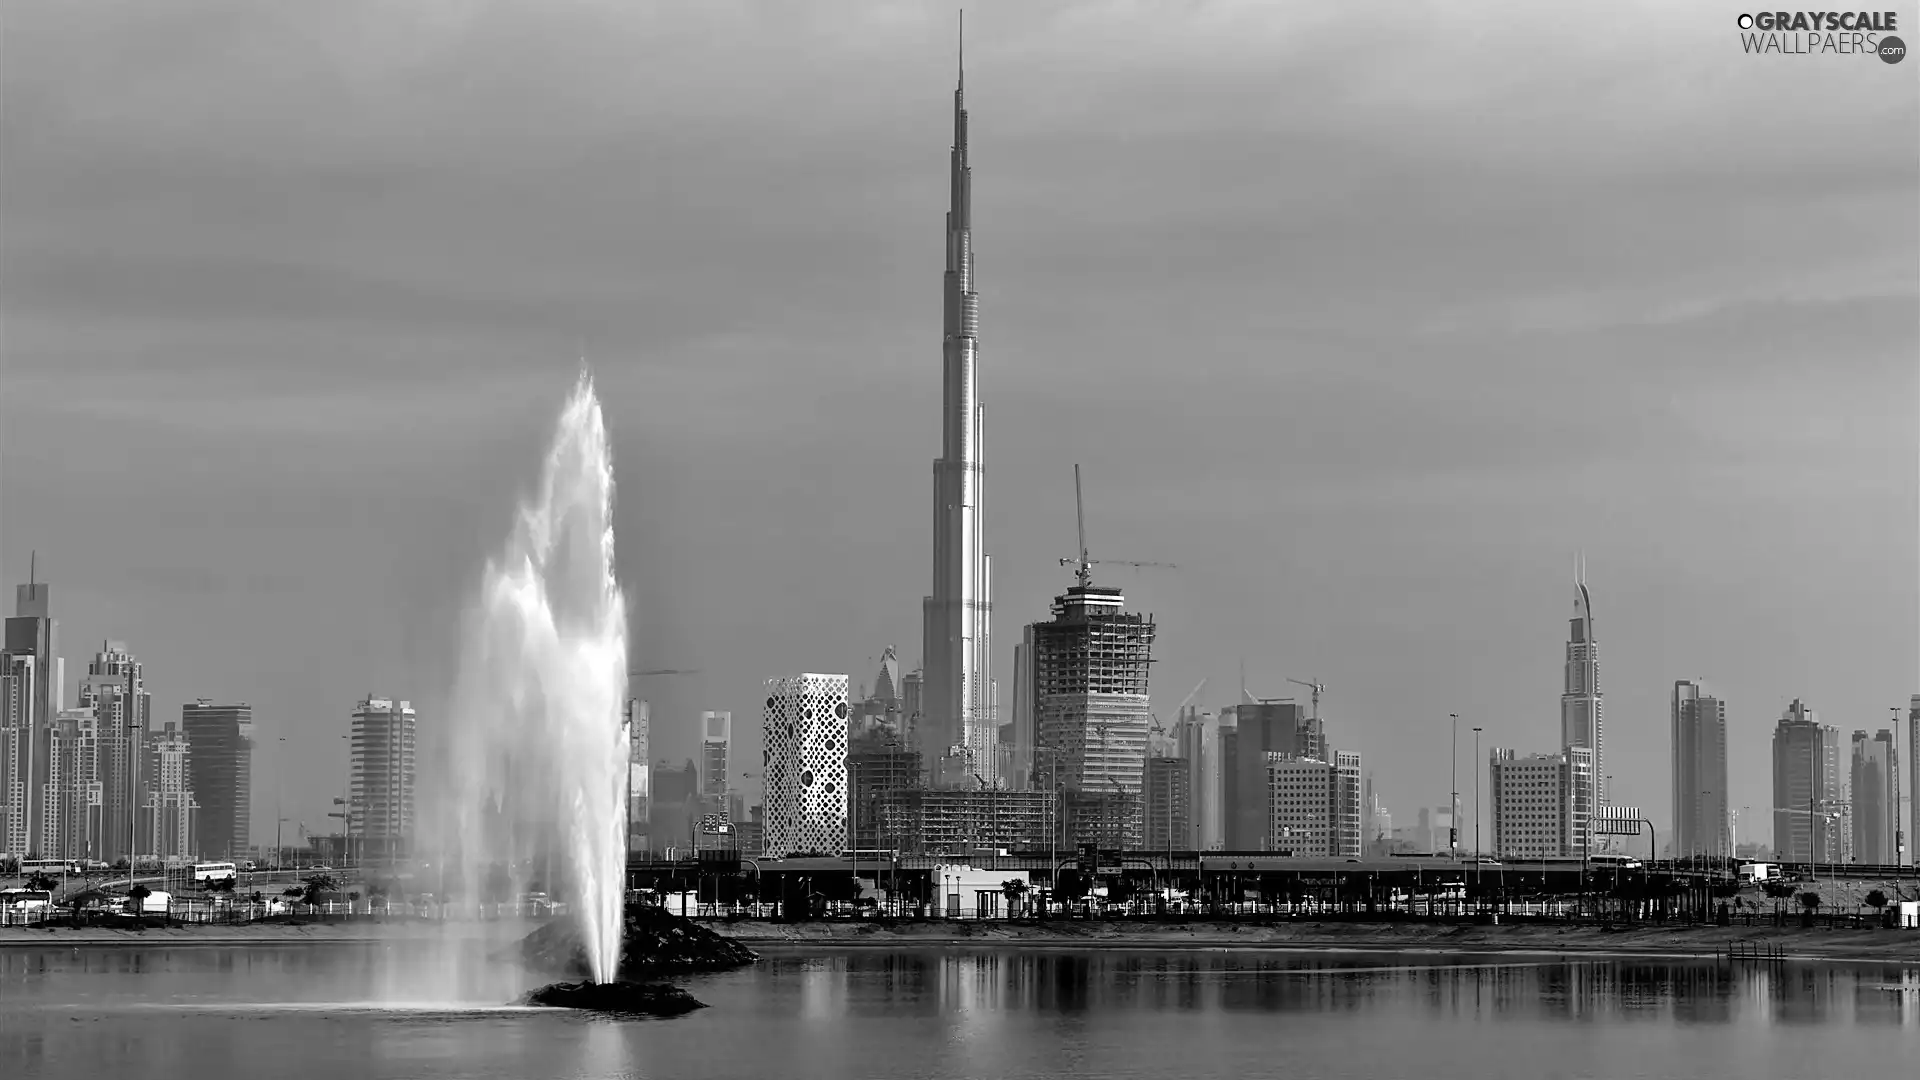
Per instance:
(662,671)
(1316,686)
(1191,694)
(1083,566)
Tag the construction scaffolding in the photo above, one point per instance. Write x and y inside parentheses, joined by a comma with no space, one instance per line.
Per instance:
(1091,711)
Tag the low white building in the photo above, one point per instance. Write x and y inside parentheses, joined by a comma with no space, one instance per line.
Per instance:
(961,891)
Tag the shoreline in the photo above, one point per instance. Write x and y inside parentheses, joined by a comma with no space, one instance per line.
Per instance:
(1281,935)
(1699,942)
(193,935)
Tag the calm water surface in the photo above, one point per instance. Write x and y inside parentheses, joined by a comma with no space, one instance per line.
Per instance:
(938,1014)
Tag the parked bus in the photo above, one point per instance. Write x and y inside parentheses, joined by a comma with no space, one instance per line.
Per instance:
(30,867)
(213,871)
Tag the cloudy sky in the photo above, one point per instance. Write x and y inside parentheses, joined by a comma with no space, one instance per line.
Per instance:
(1368,320)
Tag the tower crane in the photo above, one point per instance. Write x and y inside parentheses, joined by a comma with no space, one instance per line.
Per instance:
(1316,686)
(1191,694)
(662,671)
(1083,566)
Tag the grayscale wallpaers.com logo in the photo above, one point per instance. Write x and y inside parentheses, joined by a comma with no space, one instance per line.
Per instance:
(1819,33)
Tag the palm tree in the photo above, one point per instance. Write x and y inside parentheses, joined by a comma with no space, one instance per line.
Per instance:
(138,894)
(1014,890)
(41,881)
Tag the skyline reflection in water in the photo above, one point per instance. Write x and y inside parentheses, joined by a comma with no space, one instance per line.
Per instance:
(937,1014)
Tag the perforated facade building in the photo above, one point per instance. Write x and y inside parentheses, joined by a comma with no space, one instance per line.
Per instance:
(806,765)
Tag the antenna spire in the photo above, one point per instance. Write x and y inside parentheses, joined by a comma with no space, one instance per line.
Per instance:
(33,567)
(963,48)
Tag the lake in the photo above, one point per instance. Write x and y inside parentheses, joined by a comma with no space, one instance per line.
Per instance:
(932,1014)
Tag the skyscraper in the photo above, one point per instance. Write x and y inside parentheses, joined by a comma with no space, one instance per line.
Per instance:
(220,765)
(961,719)
(1700,820)
(381,799)
(1019,733)
(168,811)
(639,775)
(1912,836)
(1261,728)
(1581,719)
(1806,787)
(886,683)
(1876,771)
(115,689)
(716,744)
(806,765)
(1091,710)
(1197,734)
(34,676)
(1168,803)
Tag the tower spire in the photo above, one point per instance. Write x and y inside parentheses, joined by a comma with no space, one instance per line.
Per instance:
(963,48)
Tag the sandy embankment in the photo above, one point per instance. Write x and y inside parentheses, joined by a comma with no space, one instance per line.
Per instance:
(1887,945)
(1895,946)
(264,933)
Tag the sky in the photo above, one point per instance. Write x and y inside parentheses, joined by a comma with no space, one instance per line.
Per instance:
(1367,318)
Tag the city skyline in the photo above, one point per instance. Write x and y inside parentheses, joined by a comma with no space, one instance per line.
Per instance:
(1393,310)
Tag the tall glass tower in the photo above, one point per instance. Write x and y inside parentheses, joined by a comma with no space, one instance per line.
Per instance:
(959,727)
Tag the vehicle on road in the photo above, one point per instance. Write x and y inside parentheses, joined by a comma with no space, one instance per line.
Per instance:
(214,871)
(30,867)
(24,899)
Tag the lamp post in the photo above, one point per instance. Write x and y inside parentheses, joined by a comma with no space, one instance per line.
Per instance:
(133,826)
(1453,781)
(1893,776)
(1476,806)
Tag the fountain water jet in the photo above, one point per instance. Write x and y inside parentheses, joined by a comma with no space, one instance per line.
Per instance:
(537,753)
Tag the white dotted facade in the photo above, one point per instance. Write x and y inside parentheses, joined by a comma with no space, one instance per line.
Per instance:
(806,765)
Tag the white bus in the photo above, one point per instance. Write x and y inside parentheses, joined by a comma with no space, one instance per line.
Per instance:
(30,867)
(213,871)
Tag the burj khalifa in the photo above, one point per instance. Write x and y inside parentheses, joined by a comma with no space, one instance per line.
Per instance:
(959,716)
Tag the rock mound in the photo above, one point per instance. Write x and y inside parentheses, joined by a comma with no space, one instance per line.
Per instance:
(655,943)
(621,998)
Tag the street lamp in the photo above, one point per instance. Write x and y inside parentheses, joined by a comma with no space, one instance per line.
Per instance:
(1893,771)
(1476,803)
(1453,781)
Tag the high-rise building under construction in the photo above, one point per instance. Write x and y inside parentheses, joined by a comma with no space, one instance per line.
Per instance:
(1091,712)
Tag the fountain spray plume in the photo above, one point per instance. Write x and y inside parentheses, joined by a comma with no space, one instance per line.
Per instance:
(537,758)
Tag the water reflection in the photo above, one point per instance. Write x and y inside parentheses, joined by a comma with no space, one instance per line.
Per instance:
(970,986)
(947,1014)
